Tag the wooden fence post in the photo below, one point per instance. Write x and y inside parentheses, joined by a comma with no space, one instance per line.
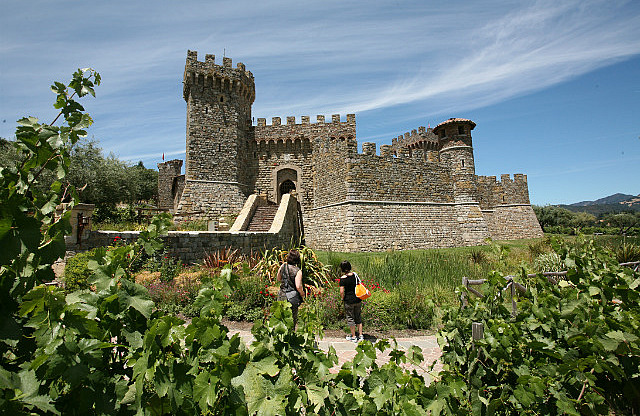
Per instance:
(477,331)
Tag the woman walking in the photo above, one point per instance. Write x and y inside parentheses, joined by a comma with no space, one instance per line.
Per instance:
(290,278)
(352,304)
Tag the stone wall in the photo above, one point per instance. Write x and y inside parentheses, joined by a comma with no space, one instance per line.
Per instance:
(193,246)
(512,222)
(167,173)
(377,226)
(208,200)
(275,158)
(492,193)
(330,158)
(406,178)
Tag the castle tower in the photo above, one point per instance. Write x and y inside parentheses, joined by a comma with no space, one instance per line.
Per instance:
(219,100)
(456,151)
(167,173)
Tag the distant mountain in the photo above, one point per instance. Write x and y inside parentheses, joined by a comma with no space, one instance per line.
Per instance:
(610,204)
(612,199)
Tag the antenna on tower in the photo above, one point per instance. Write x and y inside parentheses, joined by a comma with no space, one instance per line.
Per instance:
(224,52)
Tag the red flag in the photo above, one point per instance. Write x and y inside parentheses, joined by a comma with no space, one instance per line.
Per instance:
(162,156)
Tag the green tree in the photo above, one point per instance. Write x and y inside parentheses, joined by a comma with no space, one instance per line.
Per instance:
(103,181)
(552,216)
(581,220)
(623,221)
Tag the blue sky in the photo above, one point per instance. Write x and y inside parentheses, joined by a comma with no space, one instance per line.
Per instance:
(554,86)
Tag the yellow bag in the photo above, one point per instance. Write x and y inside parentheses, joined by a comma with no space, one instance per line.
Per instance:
(361,291)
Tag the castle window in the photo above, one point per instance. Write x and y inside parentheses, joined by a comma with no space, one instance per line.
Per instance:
(462,162)
(206,110)
(219,148)
(221,99)
(460,129)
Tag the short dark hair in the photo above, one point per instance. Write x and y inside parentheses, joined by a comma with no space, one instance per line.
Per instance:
(293,257)
(345,266)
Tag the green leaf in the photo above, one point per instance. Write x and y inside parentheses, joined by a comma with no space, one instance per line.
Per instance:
(5,226)
(135,296)
(205,390)
(411,408)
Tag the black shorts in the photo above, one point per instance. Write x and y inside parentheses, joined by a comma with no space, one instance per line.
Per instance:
(352,312)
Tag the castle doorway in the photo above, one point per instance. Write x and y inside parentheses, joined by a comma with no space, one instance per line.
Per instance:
(286,180)
(286,187)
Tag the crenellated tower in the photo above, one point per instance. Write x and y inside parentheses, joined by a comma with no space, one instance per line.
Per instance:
(219,99)
(456,152)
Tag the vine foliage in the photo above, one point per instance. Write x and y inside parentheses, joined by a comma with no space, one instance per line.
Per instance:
(572,348)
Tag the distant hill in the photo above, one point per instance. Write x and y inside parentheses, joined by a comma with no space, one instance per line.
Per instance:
(612,203)
(612,199)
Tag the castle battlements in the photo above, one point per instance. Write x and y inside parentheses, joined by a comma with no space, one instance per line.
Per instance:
(305,120)
(518,178)
(209,75)
(422,138)
(305,130)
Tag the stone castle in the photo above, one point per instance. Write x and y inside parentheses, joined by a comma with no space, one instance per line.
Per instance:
(421,191)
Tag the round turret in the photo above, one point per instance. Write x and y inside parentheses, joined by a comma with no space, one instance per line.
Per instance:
(456,151)
(454,132)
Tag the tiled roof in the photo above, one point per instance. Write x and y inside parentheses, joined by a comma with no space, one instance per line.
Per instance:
(455,120)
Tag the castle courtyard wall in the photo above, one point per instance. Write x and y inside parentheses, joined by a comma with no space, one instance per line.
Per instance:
(407,179)
(355,226)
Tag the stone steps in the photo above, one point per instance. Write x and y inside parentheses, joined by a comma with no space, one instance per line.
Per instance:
(263,218)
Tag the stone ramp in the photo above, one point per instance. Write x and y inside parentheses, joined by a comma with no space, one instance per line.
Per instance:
(346,350)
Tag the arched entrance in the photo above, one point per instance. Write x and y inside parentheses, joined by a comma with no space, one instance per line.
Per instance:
(286,187)
(286,179)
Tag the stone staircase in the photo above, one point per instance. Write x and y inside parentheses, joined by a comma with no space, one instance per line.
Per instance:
(263,218)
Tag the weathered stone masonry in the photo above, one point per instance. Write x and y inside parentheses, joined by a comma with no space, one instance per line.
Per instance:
(420,192)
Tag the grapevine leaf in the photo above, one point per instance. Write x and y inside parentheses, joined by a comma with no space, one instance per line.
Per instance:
(135,296)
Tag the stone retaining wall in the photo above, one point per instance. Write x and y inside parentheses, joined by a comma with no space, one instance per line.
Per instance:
(193,246)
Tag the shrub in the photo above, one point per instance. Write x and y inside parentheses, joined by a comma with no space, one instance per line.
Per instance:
(379,311)
(548,262)
(406,307)
(328,305)
(250,299)
(537,248)
(168,266)
(76,271)
(478,257)
(195,225)
(314,273)
(177,296)
(627,252)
